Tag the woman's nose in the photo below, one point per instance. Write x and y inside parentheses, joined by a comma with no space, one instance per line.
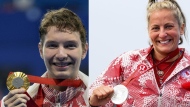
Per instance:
(162,33)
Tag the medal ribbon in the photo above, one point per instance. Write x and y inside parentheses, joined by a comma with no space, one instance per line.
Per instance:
(57,82)
(51,81)
(171,55)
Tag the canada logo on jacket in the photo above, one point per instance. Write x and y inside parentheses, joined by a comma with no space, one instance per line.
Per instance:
(185,78)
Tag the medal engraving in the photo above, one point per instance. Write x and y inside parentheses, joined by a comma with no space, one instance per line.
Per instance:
(17,80)
(120,94)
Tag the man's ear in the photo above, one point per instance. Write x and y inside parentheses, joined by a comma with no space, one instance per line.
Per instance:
(40,47)
(85,50)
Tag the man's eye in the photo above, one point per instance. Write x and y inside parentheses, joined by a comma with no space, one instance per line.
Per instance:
(52,45)
(70,46)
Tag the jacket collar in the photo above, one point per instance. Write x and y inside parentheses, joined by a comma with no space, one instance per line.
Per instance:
(32,90)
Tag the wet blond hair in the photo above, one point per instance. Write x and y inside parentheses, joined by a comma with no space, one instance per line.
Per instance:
(154,5)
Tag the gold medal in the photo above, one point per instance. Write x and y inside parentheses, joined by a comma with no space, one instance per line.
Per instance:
(17,80)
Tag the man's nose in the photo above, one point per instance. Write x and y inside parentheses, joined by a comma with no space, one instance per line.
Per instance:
(61,54)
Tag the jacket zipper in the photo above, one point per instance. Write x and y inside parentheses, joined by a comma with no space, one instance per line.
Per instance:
(159,99)
(160,96)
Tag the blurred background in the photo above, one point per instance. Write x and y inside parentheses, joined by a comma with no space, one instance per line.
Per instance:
(19,37)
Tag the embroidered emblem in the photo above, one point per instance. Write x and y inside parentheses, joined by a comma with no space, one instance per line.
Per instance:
(141,68)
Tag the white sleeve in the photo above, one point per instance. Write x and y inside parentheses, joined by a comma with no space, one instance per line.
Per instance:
(2,102)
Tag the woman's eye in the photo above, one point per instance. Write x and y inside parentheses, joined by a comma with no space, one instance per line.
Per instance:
(155,28)
(169,27)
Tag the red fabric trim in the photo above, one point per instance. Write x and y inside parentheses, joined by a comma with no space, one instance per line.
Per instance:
(31,102)
(40,97)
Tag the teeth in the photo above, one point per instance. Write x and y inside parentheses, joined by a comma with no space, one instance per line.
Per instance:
(60,64)
(164,41)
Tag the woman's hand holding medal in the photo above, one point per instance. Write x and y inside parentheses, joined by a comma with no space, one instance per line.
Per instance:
(101,95)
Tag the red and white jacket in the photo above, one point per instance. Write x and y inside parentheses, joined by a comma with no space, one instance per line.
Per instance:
(143,90)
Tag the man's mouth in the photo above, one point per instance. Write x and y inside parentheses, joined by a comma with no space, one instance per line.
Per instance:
(62,64)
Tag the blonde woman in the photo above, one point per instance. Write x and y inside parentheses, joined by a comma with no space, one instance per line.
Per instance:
(153,76)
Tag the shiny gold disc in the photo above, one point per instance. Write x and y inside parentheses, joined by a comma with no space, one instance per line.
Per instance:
(17,80)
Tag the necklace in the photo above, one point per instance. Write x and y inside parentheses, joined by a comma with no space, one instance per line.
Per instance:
(161,73)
